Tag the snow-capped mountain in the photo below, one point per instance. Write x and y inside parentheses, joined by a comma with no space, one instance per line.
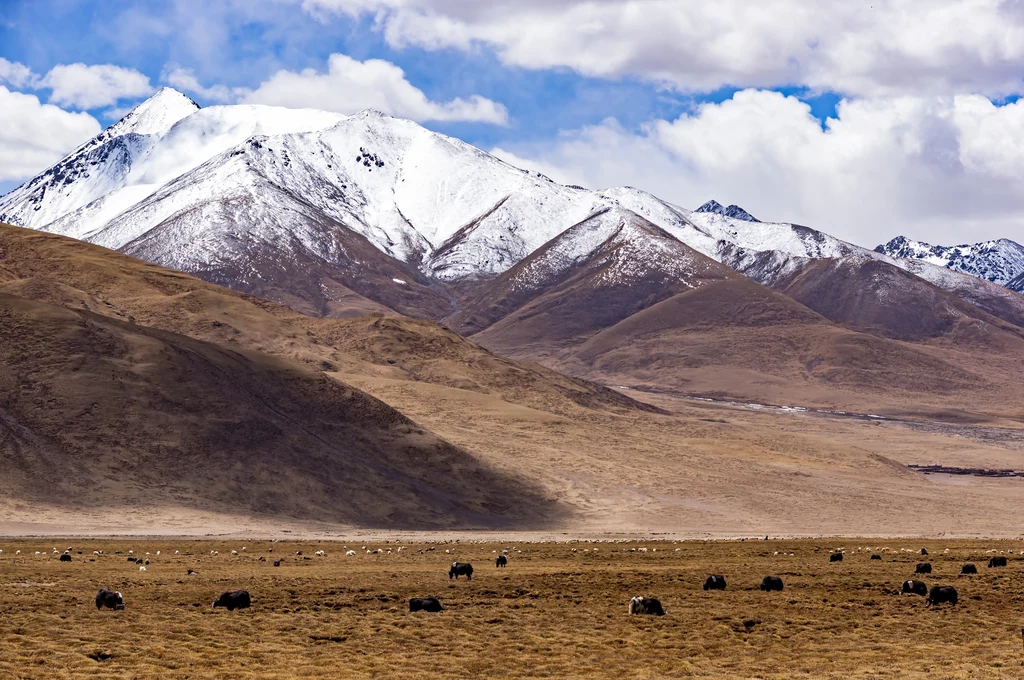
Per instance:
(307,207)
(999,261)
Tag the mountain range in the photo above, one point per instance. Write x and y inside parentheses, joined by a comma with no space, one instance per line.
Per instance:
(340,216)
(1000,261)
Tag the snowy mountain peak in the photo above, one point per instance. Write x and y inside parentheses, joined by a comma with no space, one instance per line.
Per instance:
(733,211)
(155,115)
(711,206)
(999,261)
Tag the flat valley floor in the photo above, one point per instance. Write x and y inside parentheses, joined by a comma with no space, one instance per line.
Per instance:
(558,610)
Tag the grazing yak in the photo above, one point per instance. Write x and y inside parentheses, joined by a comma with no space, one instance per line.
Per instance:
(501,561)
(646,605)
(835,557)
(67,558)
(876,557)
(940,594)
(923,568)
(714,582)
(426,604)
(769,583)
(460,569)
(238,599)
(924,551)
(915,588)
(109,599)
(969,568)
(997,561)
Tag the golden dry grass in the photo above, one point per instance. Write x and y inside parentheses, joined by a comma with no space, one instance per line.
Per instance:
(551,613)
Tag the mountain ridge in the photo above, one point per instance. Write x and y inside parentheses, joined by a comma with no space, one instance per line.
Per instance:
(999,260)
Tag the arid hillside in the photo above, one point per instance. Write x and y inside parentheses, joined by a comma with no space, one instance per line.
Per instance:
(99,413)
(139,398)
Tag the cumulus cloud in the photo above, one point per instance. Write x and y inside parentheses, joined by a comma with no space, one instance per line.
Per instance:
(15,74)
(35,135)
(350,85)
(936,168)
(886,47)
(90,87)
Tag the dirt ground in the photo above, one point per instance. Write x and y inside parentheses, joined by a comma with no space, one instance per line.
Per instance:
(558,610)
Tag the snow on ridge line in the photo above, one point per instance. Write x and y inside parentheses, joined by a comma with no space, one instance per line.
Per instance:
(996,260)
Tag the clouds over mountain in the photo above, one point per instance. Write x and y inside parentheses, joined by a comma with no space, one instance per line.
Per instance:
(927,165)
(885,47)
(350,85)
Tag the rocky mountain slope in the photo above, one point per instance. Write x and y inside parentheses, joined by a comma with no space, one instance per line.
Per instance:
(999,261)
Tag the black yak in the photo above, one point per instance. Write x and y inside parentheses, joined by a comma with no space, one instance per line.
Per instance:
(238,599)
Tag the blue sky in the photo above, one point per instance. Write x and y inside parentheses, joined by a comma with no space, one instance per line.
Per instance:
(252,47)
(837,114)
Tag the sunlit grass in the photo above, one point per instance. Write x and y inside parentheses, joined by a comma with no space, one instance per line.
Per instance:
(551,613)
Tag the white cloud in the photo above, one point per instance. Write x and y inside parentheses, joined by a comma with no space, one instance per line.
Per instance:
(90,87)
(349,86)
(937,168)
(886,47)
(35,135)
(185,80)
(15,74)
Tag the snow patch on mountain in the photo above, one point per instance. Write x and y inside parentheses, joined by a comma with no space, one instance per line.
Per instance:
(623,246)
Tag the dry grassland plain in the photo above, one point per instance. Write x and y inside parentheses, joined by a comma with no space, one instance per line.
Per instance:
(558,610)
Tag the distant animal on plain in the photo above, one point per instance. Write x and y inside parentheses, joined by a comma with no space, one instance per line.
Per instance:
(501,561)
(646,605)
(67,558)
(460,569)
(835,557)
(998,561)
(237,599)
(940,595)
(923,568)
(770,583)
(915,588)
(924,551)
(969,568)
(109,599)
(876,557)
(714,582)
(426,604)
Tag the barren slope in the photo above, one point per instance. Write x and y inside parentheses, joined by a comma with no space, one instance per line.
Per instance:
(882,299)
(71,273)
(96,412)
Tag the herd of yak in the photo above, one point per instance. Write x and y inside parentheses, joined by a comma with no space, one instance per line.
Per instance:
(240,599)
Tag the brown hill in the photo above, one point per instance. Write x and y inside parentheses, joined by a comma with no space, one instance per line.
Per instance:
(882,299)
(79,275)
(105,419)
(750,335)
(97,412)
(883,339)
